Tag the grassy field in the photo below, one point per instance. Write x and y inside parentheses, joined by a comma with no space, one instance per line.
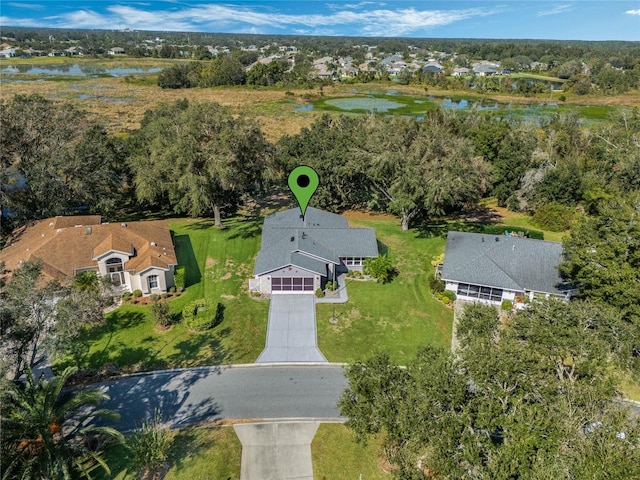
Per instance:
(123,101)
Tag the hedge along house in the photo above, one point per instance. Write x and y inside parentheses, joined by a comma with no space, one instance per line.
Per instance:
(493,268)
(135,255)
(300,256)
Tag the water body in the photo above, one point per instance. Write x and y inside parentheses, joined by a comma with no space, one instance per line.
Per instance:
(367,104)
(76,70)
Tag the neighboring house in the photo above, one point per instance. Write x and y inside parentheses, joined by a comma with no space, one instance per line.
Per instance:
(485,70)
(460,72)
(299,256)
(136,255)
(432,68)
(116,51)
(493,268)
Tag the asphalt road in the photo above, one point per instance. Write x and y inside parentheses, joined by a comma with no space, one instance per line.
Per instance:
(257,392)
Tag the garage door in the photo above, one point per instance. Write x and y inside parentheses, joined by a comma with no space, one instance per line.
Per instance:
(291,284)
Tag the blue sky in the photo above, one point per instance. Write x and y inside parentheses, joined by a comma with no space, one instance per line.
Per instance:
(543,19)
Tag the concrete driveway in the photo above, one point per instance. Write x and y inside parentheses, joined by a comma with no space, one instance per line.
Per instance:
(276,451)
(291,331)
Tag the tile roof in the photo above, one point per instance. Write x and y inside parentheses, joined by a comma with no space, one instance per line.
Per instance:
(322,237)
(505,262)
(65,244)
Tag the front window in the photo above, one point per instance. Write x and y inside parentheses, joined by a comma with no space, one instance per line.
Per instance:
(353,261)
(153,281)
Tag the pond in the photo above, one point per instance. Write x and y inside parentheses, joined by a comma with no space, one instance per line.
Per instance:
(76,70)
(393,103)
(369,104)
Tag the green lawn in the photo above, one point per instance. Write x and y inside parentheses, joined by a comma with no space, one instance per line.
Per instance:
(337,456)
(397,317)
(196,454)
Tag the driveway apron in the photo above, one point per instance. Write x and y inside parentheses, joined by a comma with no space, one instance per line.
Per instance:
(291,330)
(276,451)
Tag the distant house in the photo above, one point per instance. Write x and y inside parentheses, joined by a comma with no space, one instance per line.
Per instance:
(460,72)
(116,51)
(299,256)
(485,70)
(8,52)
(493,268)
(432,68)
(135,255)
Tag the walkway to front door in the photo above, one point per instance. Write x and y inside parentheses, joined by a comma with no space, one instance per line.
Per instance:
(291,331)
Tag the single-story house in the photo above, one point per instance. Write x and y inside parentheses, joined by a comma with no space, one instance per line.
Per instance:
(493,268)
(116,51)
(300,255)
(432,68)
(136,255)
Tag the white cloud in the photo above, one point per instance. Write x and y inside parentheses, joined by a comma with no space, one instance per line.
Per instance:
(556,10)
(28,6)
(375,21)
(633,12)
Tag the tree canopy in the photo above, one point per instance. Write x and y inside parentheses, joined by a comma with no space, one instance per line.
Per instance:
(529,398)
(197,158)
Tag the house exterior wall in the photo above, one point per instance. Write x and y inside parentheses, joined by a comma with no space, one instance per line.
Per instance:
(264,281)
(144,281)
(102,263)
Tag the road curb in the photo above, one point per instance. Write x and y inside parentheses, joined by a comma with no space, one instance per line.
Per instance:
(220,368)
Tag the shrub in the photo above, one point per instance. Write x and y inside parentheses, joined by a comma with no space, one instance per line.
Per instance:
(164,295)
(126,296)
(150,445)
(137,293)
(199,315)
(154,297)
(506,305)
(179,277)
(332,285)
(450,294)
(172,290)
(319,293)
(436,285)
(160,314)
(554,217)
(380,268)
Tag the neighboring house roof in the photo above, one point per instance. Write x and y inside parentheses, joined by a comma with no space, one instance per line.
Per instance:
(321,238)
(65,244)
(433,68)
(511,263)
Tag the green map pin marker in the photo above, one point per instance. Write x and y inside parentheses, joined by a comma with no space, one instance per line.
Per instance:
(303,182)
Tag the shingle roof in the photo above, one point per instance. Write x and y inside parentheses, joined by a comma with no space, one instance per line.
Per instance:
(73,245)
(505,262)
(322,237)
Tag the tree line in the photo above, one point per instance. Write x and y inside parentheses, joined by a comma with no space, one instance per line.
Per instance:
(198,159)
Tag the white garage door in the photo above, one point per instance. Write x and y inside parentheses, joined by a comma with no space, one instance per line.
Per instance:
(291,284)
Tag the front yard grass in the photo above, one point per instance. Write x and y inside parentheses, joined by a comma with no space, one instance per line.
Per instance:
(336,455)
(196,453)
(396,318)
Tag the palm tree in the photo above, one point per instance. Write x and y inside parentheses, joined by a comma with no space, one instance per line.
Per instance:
(87,281)
(47,432)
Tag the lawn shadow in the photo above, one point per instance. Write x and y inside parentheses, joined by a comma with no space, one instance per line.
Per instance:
(189,350)
(382,248)
(187,259)
(187,443)
(247,226)
(440,228)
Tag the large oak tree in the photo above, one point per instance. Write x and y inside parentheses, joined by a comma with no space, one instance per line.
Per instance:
(197,158)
